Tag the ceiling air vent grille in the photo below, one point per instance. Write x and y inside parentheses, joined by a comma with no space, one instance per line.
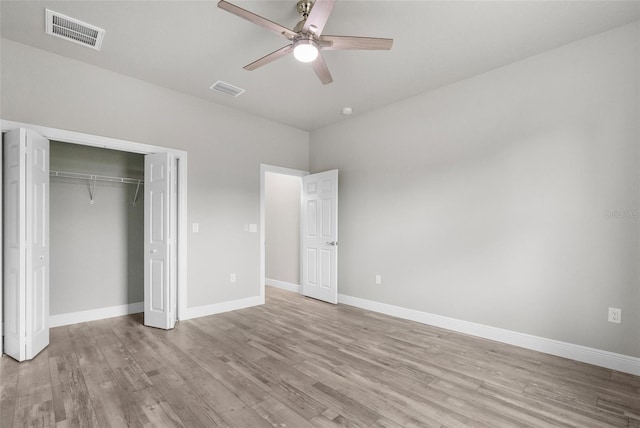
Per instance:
(73,30)
(227,89)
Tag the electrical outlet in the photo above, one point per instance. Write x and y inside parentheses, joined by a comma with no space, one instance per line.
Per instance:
(615,315)
(232,278)
(378,279)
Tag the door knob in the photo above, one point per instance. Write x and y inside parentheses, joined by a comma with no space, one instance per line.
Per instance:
(155,250)
(332,243)
(41,256)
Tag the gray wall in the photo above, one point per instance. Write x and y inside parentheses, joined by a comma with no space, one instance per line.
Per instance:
(225,150)
(488,200)
(282,227)
(96,249)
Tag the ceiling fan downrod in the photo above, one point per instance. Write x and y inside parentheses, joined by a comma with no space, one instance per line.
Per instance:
(304,9)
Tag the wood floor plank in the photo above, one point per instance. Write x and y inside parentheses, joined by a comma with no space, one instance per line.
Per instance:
(290,395)
(369,391)
(297,362)
(8,389)
(188,405)
(235,382)
(69,388)
(38,415)
(34,395)
(279,415)
(113,405)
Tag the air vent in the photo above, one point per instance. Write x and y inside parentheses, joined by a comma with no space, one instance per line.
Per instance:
(227,89)
(73,30)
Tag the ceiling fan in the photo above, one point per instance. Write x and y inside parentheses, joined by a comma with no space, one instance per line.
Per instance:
(306,38)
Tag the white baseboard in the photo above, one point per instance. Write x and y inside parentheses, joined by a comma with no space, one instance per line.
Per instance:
(217,308)
(610,360)
(282,284)
(95,314)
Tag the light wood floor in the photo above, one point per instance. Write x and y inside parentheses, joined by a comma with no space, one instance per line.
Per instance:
(295,363)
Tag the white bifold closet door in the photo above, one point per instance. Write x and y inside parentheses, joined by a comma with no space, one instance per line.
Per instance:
(160,260)
(26,243)
(320,236)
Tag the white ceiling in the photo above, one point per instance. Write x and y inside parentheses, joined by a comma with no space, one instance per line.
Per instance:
(188,45)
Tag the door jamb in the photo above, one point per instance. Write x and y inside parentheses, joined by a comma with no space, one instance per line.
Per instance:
(264,169)
(132,147)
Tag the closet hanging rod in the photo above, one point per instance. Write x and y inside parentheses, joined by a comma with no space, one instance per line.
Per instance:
(94,177)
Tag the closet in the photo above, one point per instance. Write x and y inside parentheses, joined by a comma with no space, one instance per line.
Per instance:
(86,232)
(96,229)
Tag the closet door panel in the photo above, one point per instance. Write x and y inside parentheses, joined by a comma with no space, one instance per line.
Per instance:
(159,288)
(38,243)
(14,272)
(26,243)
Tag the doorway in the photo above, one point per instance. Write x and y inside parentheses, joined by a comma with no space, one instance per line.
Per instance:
(278,186)
(97,232)
(318,232)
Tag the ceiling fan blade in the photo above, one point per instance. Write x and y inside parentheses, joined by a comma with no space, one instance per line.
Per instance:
(256,19)
(357,43)
(269,58)
(321,69)
(318,16)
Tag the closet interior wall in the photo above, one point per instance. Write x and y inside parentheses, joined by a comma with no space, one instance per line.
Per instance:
(97,232)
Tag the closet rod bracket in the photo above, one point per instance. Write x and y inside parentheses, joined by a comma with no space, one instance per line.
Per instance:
(135,197)
(92,188)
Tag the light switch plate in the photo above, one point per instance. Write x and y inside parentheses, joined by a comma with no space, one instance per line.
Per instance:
(253,228)
(195,227)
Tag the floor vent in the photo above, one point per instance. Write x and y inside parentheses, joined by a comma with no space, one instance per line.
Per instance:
(73,30)
(227,89)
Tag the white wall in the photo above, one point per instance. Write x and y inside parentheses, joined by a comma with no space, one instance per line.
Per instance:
(487,200)
(96,249)
(225,150)
(282,231)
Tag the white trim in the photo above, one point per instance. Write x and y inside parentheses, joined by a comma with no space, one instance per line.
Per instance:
(264,168)
(95,314)
(289,286)
(218,308)
(182,234)
(129,146)
(610,360)
(1,246)
(89,139)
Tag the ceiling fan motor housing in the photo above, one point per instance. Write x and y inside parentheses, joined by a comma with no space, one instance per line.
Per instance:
(304,7)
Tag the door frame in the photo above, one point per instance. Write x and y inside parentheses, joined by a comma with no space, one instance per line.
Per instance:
(264,169)
(1,246)
(132,147)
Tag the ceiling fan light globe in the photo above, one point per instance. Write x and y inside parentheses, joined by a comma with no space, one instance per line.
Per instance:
(305,52)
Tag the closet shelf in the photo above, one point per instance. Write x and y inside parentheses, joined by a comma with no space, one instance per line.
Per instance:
(94,177)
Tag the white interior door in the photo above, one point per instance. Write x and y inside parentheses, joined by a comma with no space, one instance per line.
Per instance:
(320,236)
(26,243)
(160,208)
